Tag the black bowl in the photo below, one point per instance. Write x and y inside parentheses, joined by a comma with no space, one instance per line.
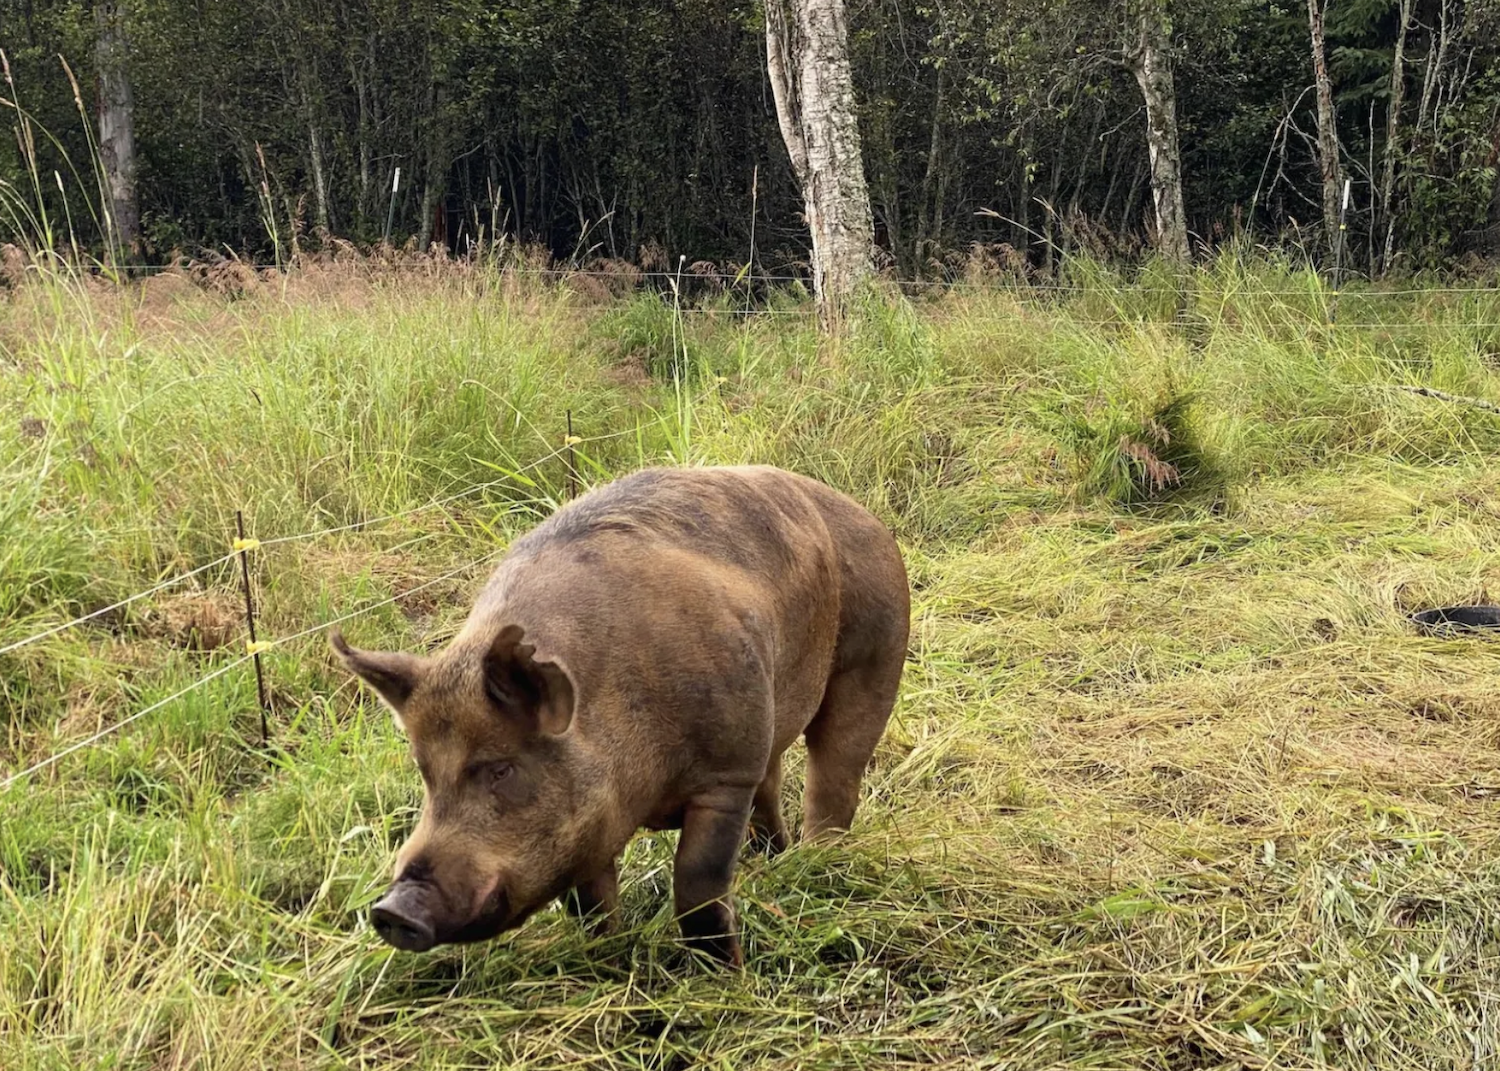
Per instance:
(1446,620)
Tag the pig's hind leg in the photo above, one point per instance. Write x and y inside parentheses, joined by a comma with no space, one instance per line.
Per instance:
(841,740)
(767,828)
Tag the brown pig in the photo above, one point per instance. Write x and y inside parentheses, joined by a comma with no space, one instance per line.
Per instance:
(642,659)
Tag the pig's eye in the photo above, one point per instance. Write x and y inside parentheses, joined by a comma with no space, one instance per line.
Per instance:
(506,785)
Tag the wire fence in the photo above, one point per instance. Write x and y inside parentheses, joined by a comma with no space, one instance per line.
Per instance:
(115,727)
(1009,282)
(254,648)
(240,547)
(180,578)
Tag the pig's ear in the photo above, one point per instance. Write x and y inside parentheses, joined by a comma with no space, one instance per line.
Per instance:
(536,690)
(393,675)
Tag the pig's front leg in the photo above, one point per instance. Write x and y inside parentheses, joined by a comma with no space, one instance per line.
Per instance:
(713,828)
(597,901)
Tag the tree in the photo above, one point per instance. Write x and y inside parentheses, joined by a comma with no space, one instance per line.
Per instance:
(1393,137)
(1149,58)
(1328,140)
(636,131)
(807,57)
(117,129)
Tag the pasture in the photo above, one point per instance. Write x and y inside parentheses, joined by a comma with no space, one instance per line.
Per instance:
(1172,782)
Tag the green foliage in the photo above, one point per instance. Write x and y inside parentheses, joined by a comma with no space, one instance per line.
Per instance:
(1131,459)
(649,330)
(645,134)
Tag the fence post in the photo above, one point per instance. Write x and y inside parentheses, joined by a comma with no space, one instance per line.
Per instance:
(390,215)
(244,546)
(1338,254)
(570,442)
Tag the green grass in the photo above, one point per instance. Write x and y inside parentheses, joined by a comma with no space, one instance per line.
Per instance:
(1171,784)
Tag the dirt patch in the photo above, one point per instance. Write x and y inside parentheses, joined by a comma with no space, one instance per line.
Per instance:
(85,709)
(204,621)
(630,373)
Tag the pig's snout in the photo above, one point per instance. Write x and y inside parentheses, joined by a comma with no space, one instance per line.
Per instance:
(403,918)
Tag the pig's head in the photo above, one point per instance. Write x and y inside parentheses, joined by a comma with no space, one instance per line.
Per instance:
(506,820)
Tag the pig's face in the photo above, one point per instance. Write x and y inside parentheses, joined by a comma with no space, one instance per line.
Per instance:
(504,826)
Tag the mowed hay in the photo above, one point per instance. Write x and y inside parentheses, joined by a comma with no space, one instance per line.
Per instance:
(1172,782)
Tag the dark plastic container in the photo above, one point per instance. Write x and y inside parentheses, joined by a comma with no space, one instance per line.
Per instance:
(1447,620)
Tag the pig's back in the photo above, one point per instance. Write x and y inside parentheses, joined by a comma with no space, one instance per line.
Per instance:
(813,547)
(702,609)
(672,563)
(756,518)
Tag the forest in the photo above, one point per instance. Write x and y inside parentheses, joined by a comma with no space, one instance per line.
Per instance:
(648,132)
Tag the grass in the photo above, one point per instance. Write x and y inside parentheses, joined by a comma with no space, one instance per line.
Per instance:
(1172,784)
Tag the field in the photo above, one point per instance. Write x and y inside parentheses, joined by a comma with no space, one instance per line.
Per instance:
(1173,783)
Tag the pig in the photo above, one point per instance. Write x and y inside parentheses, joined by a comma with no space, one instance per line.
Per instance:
(642,659)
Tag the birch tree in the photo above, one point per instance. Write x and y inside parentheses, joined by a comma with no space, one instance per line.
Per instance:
(1328,139)
(1393,136)
(807,58)
(117,128)
(1149,58)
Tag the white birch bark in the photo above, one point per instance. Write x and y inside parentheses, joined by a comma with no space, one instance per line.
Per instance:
(807,58)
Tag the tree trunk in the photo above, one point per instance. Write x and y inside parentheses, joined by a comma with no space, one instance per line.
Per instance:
(1436,59)
(930,220)
(1020,230)
(1392,137)
(320,183)
(304,81)
(1049,217)
(1109,191)
(1151,63)
(807,58)
(436,163)
(117,130)
(1328,139)
(1130,198)
(429,210)
(362,210)
(1081,177)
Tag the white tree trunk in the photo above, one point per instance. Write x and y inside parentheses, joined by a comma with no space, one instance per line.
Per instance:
(1151,62)
(117,129)
(320,183)
(807,58)
(1328,139)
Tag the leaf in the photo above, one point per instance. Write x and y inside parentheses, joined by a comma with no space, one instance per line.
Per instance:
(1124,905)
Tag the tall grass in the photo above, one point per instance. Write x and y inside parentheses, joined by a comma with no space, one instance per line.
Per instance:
(1171,783)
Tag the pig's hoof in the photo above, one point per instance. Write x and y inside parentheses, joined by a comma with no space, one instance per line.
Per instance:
(769,842)
(723,949)
(600,925)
